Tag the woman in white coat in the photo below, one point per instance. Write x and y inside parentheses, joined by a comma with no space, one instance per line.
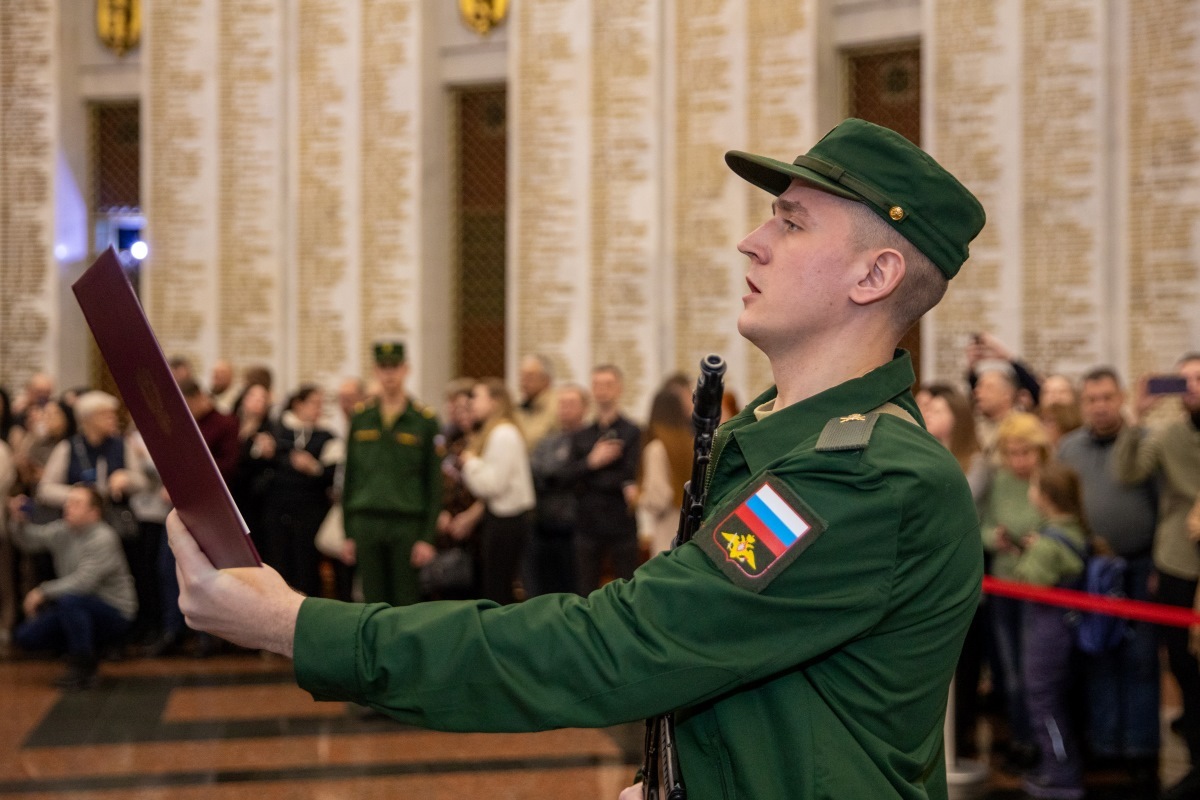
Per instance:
(496,470)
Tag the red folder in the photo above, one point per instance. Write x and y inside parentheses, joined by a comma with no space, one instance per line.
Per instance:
(150,392)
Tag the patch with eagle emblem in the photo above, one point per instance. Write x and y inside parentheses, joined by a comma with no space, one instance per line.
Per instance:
(758,533)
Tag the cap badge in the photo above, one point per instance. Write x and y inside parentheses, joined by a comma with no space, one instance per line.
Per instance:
(896,213)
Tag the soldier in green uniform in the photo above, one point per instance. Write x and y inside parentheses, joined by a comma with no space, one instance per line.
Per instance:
(807,635)
(393,485)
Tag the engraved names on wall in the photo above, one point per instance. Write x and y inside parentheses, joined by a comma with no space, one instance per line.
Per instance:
(390,256)
(625,219)
(550,249)
(325,148)
(707,202)
(971,105)
(1163,202)
(28,139)
(181,174)
(251,135)
(1063,184)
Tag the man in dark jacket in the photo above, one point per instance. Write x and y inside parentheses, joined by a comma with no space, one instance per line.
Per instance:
(604,462)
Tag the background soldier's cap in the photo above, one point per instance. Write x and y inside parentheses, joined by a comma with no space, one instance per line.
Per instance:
(896,179)
(389,354)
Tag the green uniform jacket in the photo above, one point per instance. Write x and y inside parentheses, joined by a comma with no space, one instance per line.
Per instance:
(827,681)
(394,470)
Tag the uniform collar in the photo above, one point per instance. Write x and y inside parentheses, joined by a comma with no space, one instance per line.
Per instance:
(765,441)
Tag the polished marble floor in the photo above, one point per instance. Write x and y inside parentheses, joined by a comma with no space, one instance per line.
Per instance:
(236,726)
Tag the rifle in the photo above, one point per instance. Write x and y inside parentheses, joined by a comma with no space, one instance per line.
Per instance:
(662,778)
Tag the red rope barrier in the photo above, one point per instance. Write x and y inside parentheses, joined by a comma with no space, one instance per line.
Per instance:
(1138,610)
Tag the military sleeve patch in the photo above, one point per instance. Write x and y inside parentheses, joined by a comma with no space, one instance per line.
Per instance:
(756,535)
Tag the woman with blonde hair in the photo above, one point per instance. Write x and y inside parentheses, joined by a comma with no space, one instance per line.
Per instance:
(496,470)
(1006,516)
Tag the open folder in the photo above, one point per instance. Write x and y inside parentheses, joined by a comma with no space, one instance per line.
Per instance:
(182,458)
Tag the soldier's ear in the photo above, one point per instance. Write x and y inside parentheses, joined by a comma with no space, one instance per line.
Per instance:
(882,272)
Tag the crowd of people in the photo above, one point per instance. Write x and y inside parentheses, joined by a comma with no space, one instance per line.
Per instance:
(385,499)
(557,489)
(1062,470)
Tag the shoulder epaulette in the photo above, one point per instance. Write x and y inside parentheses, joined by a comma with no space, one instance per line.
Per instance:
(851,432)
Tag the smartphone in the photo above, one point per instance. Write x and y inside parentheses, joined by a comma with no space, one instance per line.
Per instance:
(1166,384)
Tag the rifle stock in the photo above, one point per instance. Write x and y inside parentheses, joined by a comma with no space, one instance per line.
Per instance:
(662,778)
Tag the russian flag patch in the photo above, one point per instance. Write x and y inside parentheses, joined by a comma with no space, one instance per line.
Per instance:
(754,536)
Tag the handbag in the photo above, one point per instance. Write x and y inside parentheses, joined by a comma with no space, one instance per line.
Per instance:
(332,533)
(451,570)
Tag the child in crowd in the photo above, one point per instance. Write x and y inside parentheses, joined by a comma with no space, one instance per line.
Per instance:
(1051,557)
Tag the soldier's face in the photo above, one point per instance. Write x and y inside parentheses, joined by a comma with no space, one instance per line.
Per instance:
(391,376)
(801,269)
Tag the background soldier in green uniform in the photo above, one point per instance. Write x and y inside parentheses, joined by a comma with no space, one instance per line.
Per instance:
(393,486)
(807,635)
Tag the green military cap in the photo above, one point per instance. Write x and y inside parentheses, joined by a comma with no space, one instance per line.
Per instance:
(389,354)
(898,180)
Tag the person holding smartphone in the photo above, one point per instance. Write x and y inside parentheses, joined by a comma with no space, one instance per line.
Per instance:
(1172,456)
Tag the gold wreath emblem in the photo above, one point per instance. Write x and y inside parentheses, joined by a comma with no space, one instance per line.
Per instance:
(119,24)
(483,15)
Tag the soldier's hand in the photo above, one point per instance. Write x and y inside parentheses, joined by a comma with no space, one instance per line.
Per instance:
(250,606)
(349,552)
(632,793)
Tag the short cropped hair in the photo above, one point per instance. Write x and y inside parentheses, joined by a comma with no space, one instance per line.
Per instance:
(924,285)
(611,369)
(1102,374)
